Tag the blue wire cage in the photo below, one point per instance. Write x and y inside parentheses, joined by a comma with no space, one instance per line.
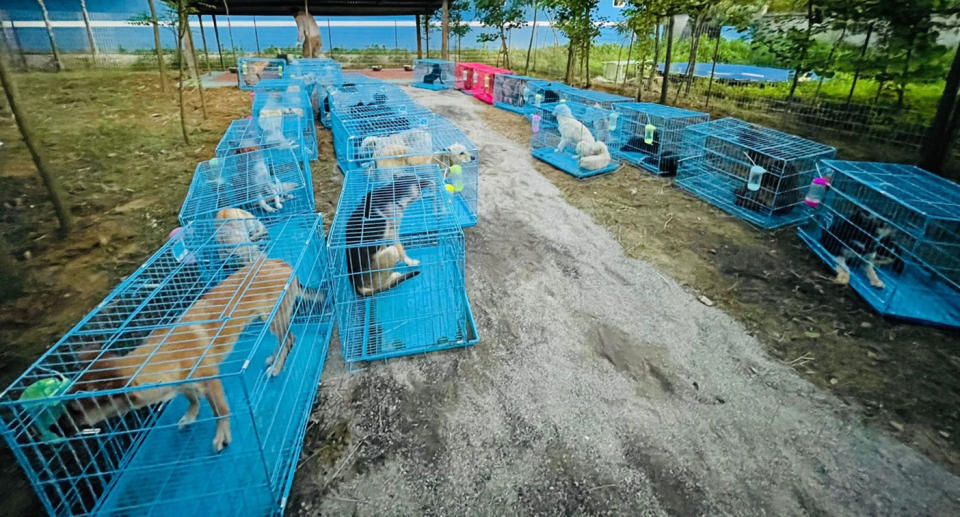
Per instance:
(283,97)
(349,132)
(254,181)
(349,82)
(316,73)
(597,125)
(651,134)
(893,232)
(755,173)
(366,101)
(428,309)
(433,74)
(416,138)
(252,70)
(518,93)
(591,97)
(244,135)
(94,423)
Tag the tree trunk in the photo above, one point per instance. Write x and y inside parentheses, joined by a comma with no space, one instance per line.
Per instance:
(16,40)
(656,56)
(504,49)
(86,22)
(856,72)
(216,36)
(533,31)
(445,31)
(833,50)
(713,68)
(183,115)
(426,32)
(666,63)
(419,46)
(626,72)
(156,43)
(49,181)
(696,32)
(53,41)
(196,67)
(936,147)
(803,52)
(569,62)
(203,37)
(589,44)
(904,76)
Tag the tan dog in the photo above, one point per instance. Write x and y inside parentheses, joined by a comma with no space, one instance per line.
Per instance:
(253,71)
(237,233)
(203,339)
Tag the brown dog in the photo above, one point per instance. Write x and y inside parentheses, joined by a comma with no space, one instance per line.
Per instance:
(203,338)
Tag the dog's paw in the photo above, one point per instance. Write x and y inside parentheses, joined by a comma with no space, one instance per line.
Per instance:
(186,420)
(270,359)
(412,262)
(876,282)
(222,438)
(843,277)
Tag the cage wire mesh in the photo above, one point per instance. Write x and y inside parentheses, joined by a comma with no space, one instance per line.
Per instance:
(349,82)
(369,144)
(388,306)
(316,73)
(245,135)
(277,98)
(575,138)
(264,182)
(651,134)
(755,173)
(593,98)
(366,101)
(893,232)
(433,74)
(94,423)
(548,92)
(371,120)
(484,78)
(252,70)
(517,93)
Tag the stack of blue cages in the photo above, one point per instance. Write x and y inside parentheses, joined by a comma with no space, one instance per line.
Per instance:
(98,423)
(414,138)
(575,138)
(398,275)
(244,135)
(433,74)
(317,73)
(522,94)
(755,173)
(651,134)
(267,182)
(276,97)
(252,70)
(893,233)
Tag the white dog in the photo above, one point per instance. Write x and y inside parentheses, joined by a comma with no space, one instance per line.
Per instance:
(412,147)
(591,153)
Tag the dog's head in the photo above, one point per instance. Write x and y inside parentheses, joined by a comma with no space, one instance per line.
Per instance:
(103,375)
(457,153)
(562,110)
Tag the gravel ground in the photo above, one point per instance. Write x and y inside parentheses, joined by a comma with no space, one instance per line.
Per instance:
(599,386)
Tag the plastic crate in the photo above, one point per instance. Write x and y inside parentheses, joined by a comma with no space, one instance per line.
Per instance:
(237,181)
(139,462)
(251,70)
(548,145)
(717,158)
(371,143)
(433,74)
(484,77)
(422,313)
(651,134)
(897,221)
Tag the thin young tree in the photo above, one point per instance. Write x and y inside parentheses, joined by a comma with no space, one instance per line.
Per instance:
(533,32)
(502,16)
(86,23)
(184,19)
(156,43)
(53,41)
(180,81)
(939,140)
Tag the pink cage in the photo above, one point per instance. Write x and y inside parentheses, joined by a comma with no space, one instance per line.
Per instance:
(465,76)
(483,78)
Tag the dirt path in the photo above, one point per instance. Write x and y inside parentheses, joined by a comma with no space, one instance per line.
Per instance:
(599,385)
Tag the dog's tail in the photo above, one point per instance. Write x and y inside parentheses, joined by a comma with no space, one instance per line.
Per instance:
(599,160)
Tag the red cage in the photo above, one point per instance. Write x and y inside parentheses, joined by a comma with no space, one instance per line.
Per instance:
(482,83)
(465,76)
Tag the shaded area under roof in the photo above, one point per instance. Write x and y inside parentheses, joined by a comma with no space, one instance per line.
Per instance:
(320,8)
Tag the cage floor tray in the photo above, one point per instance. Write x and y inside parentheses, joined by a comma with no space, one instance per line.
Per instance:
(522,110)
(426,313)
(484,96)
(567,163)
(718,190)
(176,472)
(911,295)
(643,160)
(434,86)
(466,218)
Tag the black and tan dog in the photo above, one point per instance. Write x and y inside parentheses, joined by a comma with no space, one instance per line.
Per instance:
(372,236)
(862,240)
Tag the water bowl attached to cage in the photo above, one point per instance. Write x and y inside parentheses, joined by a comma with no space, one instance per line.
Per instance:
(648,132)
(535,123)
(818,189)
(756,175)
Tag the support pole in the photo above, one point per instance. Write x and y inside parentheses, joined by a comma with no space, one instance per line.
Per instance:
(156,43)
(203,37)
(330,37)
(426,31)
(53,42)
(419,47)
(216,35)
(256,35)
(53,187)
(233,46)
(445,31)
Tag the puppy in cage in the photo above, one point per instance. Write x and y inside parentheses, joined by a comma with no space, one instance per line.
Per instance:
(377,222)
(237,233)
(412,147)
(592,154)
(863,240)
(254,71)
(193,348)
(257,181)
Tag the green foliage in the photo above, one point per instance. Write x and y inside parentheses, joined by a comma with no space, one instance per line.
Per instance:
(500,15)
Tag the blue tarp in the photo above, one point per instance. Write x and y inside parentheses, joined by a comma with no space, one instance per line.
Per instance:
(726,72)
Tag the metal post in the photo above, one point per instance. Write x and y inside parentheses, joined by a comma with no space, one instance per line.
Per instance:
(426,32)
(419,47)
(233,46)
(330,37)
(445,30)
(216,35)
(256,35)
(206,52)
